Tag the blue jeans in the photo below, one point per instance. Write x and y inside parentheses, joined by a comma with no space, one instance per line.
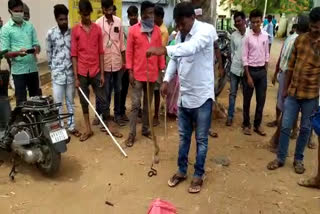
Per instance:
(292,107)
(65,92)
(201,118)
(234,83)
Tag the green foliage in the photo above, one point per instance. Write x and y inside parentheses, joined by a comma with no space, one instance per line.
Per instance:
(280,6)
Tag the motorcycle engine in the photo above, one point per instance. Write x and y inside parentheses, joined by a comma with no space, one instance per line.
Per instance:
(21,138)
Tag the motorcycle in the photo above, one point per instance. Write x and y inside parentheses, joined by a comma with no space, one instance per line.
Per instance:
(225,49)
(32,131)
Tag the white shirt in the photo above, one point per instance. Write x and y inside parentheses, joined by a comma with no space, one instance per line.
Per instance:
(193,59)
(237,40)
(4,66)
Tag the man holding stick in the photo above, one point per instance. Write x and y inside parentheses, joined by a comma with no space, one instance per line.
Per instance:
(192,57)
(88,65)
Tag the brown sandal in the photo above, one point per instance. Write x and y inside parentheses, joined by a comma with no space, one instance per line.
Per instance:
(275,164)
(86,136)
(195,186)
(311,183)
(130,141)
(260,131)
(176,179)
(75,133)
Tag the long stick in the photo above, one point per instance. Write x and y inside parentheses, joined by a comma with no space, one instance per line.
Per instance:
(165,118)
(104,125)
(154,139)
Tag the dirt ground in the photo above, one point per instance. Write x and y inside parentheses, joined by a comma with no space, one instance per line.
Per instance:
(95,171)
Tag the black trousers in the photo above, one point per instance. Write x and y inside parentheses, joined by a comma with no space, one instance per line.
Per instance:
(124,92)
(22,82)
(4,82)
(100,93)
(259,76)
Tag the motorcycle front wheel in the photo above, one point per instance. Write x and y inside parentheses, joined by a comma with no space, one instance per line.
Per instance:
(51,160)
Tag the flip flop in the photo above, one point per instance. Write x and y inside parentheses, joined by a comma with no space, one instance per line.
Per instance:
(116,134)
(275,164)
(195,186)
(130,141)
(86,136)
(176,179)
(75,133)
(260,132)
(310,183)
(272,124)
(147,135)
(246,131)
(95,121)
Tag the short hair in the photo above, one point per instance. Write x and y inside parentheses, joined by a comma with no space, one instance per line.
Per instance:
(315,15)
(132,11)
(184,9)
(239,13)
(303,24)
(145,5)
(107,3)
(60,9)
(14,3)
(85,6)
(256,13)
(158,11)
(269,16)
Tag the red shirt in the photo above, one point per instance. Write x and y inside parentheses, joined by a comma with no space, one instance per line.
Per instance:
(87,46)
(136,60)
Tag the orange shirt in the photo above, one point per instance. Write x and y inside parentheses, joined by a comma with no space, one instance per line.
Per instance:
(136,60)
(113,43)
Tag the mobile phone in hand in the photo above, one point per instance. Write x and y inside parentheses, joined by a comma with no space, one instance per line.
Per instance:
(31,51)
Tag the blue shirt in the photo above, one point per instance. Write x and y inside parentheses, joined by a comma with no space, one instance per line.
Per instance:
(59,56)
(269,29)
(15,38)
(194,61)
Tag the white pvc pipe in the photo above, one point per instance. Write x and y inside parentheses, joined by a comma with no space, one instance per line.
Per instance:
(104,125)
(265,9)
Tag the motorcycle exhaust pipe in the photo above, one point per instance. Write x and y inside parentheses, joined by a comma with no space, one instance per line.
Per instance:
(30,156)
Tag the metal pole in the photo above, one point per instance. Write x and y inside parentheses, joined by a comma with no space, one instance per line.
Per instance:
(104,125)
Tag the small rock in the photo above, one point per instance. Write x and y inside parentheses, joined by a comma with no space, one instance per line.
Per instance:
(224,161)
(121,174)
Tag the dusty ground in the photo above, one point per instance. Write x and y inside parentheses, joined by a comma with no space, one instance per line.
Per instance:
(96,171)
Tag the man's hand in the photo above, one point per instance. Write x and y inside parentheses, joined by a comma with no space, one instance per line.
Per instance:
(164,89)
(101,81)
(274,79)
(77,83)
(156,51)
(131,78)
(23,52)
(37,50)
(250,82)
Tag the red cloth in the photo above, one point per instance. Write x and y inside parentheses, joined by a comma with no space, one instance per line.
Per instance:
(136,60)
(87,47)
(159,206)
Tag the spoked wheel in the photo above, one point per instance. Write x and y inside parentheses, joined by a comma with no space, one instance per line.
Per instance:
(51,160)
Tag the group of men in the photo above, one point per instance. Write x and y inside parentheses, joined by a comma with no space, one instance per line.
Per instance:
(298,74)
(108,57)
